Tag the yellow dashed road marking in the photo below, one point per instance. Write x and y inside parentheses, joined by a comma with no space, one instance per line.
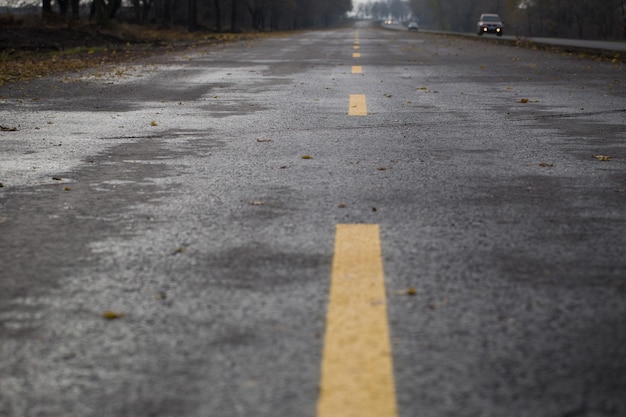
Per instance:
(356,55)
(357,371)
(357,69)
(356,47)
(358,105)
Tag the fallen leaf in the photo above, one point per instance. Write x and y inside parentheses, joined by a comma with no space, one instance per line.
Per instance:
(283,167)
(112,315)
(602,157)
(57,179)
(342,205)
(153,123)
(178,250)
(374,209)
(1,185)
(523,100)
(307,157)
(8,129)
(67,189)
(264,140)
(382,168)
(546,165)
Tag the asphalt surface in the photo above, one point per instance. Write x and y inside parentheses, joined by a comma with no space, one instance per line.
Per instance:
(174,194)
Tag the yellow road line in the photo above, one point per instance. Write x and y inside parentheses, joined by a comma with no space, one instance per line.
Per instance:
(356,55)
(357,69)
(358,105)
(357,370)
(356,47)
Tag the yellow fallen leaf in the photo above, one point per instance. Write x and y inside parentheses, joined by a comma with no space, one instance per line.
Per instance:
(342,205)
(153,123)
(523,100)
(307,157)
(112,315)
(602,157)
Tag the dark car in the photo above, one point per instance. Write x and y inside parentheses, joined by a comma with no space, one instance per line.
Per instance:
(413,26)
(490,23)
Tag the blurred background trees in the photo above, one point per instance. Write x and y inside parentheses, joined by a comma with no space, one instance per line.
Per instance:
(589,19)
(586,19)
(220,15)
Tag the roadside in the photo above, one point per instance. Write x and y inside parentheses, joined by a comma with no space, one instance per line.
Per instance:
(31,52)
(604,50)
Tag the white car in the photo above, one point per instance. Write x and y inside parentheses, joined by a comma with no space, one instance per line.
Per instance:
(490,23)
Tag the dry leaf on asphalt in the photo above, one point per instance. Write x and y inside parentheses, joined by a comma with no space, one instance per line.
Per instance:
(112,315)
(8,129)
(602,157)
(546,165)
(307,157)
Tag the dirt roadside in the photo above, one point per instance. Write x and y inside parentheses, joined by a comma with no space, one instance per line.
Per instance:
(31,52)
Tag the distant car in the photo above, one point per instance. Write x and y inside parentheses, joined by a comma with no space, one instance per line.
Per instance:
(490,23)
(413,27)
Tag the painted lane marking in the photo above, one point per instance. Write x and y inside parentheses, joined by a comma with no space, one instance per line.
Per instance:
(358,105)
(356,47)
(356,55)
(357,369)
(357,69)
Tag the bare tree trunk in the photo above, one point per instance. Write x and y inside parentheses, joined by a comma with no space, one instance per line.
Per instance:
(233,16)
(46,8)
(217,8)
(75,9)
(623,18)
(192,15)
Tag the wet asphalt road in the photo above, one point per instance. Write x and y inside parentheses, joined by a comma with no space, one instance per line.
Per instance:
(174,192)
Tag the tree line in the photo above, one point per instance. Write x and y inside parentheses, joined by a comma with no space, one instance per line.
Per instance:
(220,15)
(588,19)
